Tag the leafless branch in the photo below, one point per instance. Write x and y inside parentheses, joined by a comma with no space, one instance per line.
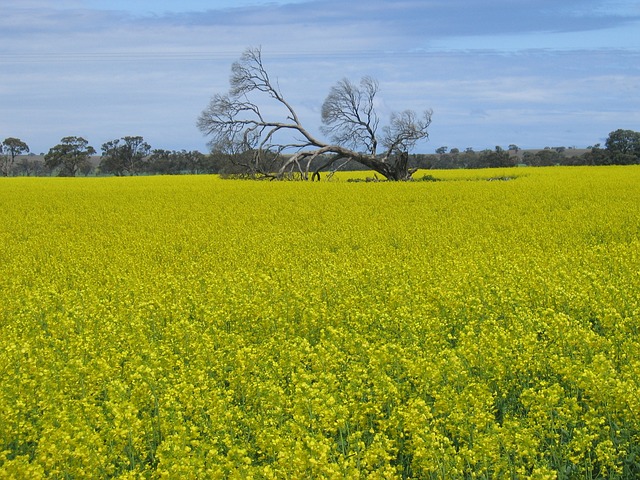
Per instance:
(234,121)
(404,130)
(348,114)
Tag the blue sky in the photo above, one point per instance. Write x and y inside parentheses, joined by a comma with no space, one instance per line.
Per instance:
(495,72)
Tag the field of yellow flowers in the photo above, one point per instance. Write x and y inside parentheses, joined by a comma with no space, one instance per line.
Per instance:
(190,327)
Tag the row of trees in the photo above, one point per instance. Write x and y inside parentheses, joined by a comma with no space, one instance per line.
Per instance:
(126,156)
(133,156)
(622,147)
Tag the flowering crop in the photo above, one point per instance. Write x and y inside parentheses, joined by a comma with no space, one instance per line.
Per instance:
(187,327)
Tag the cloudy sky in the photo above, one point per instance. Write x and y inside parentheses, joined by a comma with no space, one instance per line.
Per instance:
(534,73)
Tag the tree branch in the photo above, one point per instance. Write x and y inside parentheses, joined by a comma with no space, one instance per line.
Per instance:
(234,121)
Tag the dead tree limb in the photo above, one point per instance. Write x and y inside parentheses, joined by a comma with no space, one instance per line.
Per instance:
(235,122)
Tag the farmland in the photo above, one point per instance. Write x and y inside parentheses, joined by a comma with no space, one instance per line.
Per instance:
(190,327)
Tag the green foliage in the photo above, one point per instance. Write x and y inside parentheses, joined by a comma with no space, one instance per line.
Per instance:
(428,178)
(623,146)
(70,156)
(543,158)
(10,148)
(128,156)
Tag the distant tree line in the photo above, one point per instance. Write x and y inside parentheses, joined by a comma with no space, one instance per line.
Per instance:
(131,155)
(73,156)
(622,147)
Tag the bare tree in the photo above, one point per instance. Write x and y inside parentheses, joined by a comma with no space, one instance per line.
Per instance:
(236,124)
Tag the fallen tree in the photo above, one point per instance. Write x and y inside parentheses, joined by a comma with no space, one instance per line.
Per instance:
(237,125)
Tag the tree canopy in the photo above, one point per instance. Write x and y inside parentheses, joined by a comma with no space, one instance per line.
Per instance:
(10,148)
(237,124)
(69,156)
(124,157)
(623,146)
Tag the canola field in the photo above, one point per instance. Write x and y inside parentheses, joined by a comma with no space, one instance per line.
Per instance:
(193,328)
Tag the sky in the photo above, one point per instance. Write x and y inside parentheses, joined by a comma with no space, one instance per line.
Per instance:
(533,73)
